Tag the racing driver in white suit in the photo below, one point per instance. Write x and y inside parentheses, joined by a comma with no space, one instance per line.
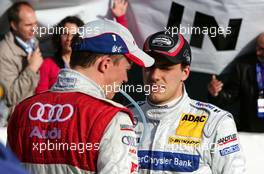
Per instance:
(182,135)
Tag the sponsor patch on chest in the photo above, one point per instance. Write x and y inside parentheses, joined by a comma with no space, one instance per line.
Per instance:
(183,141)
(191,125)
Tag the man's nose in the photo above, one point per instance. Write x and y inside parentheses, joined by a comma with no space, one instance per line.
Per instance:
(125,78)
(154,74)
(69,37)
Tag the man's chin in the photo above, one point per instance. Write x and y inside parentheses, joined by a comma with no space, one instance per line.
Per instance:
(27,38)
(110,95)
(156,98)
(30,36)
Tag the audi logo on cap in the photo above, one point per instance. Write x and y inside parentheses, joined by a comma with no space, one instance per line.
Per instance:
(58,112)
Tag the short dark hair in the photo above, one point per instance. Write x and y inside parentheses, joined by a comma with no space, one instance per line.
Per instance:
(86,59)
(83,59)
(13,11)
(184,65)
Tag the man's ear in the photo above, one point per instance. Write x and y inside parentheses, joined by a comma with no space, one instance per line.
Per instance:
(13,25)
(104,63)
(185,72)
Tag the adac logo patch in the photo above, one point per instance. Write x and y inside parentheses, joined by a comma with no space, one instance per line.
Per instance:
(191,125)
(194,118)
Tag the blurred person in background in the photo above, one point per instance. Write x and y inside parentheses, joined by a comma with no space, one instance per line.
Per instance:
(20,56)
(4,110)
(119,10)
(246,84)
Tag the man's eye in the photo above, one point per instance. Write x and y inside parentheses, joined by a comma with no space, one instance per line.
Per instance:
(148,69)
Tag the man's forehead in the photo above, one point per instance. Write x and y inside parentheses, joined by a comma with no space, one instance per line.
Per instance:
(25,10)
(260,40)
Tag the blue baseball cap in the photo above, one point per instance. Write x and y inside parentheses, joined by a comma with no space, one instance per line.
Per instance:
(109,37)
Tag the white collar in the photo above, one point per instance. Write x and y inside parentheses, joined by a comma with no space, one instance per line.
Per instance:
(27,46)
(71,80)
(160,112)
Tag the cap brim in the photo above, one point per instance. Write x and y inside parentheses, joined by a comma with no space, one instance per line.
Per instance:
(158,55)
(140,58)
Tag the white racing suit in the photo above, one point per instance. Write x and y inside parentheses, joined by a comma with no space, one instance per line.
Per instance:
(188,136)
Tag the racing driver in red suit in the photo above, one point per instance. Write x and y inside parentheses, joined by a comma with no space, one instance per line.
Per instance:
(75,127)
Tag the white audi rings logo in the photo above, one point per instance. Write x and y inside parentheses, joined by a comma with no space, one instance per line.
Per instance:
(55,112)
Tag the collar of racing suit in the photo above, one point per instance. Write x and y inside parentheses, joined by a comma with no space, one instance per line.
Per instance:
(160,112)
(71,80)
